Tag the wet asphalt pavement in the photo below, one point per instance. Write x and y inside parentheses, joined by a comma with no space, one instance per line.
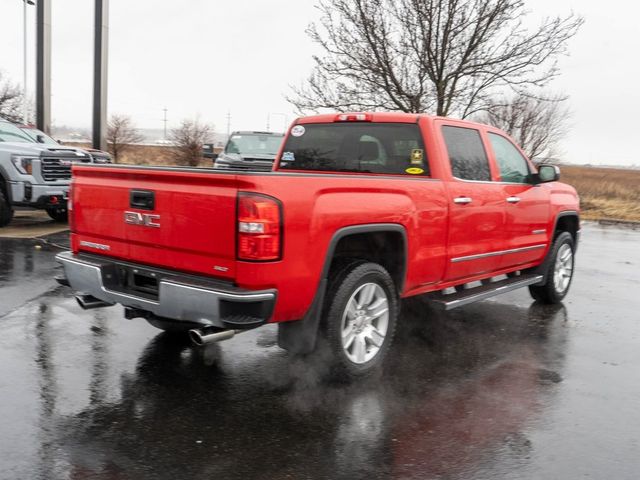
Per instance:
(504,389)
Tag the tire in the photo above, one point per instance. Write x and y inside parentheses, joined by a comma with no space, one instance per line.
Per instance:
(6,211)
(59,214)
(360,318)
(559,272)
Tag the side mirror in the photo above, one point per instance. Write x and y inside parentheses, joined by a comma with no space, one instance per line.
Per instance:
(40,138)
(547,173)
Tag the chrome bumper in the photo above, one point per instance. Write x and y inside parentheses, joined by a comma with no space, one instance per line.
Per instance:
(180,297)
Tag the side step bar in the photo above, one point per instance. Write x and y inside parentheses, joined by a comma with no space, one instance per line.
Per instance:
(465,297)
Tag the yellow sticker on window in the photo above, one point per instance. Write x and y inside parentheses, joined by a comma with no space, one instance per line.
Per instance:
(414,171)
(417,156)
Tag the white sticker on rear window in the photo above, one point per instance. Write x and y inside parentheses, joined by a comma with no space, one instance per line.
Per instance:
(297,131)
(288,157)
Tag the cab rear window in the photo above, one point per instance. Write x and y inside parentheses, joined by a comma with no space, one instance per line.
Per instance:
(391,148)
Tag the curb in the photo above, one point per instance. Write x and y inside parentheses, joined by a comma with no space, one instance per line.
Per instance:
(619,223)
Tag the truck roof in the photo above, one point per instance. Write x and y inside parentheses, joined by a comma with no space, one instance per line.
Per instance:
(250,132)
(382,117)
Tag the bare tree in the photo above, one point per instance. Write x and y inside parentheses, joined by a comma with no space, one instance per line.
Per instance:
(188,140)
(121,134)
(536,124)
(10,100)
(442,56)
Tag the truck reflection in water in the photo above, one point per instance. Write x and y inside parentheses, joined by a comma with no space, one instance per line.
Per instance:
(461,390)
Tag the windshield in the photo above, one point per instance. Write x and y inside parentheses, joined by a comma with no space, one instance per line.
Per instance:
(11,133)
(33,134)
(254,144)
(386,148)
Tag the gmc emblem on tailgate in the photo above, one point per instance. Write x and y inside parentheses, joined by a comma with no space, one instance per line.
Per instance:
(143,219)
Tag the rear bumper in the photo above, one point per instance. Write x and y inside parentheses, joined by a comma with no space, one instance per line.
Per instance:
(176,296)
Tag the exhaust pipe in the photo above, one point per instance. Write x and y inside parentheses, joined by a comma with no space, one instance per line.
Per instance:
(207,335)
(88,302)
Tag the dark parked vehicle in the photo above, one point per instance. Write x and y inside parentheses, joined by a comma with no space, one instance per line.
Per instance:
(253,151)
(209,151)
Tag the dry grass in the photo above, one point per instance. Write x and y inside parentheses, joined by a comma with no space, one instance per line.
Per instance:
(160,155)
(606,192)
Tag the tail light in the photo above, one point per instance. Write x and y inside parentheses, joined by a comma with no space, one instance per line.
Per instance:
(71,216)
(354,117)
(259,227)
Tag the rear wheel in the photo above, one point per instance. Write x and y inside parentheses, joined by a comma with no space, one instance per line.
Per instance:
(360,318)
(6,211)
(559,271)
(59,214)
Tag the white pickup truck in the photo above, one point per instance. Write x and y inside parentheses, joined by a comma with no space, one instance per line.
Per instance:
(34,175)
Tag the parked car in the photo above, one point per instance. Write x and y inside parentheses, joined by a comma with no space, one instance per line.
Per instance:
(38,136)
(360,211)
(209,151)
(34,175)
(254,151)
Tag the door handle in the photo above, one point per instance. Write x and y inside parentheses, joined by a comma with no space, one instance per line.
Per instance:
(462,200)
(142,199)
(513,199)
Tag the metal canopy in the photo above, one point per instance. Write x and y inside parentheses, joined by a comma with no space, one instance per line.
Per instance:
(43,65)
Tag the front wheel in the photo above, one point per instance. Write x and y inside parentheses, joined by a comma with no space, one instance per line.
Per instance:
(6,211)
(559,271)
(59,214)
(360,318)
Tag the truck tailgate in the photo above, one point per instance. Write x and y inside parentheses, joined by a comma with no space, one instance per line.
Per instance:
(188,222)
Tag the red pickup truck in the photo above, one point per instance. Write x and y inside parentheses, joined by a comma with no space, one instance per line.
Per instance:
(359,211)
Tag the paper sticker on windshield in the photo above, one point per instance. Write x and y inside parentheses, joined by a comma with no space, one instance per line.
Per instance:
(414,171)
(297,131)
(417,156)
(288,157)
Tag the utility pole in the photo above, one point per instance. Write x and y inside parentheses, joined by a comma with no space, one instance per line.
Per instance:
(284,120)
(228,123)
(165,123)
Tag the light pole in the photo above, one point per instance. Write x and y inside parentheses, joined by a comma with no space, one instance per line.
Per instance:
(24,59)
(284,120)
(165,110)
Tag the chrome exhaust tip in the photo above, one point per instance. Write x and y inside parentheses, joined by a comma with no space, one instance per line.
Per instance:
(89,302)
(207,335)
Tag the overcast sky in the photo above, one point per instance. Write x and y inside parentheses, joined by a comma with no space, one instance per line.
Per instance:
(204,58)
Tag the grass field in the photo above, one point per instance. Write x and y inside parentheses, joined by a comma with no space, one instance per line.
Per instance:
(609,193)
(159,155)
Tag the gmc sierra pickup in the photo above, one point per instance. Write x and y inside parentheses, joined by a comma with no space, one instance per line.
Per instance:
(34,175)
(359,211)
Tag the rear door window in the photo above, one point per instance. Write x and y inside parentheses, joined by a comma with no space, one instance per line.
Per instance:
(391,148)
(467,155)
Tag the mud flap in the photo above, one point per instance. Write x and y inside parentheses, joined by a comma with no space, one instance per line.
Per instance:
(299,337)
